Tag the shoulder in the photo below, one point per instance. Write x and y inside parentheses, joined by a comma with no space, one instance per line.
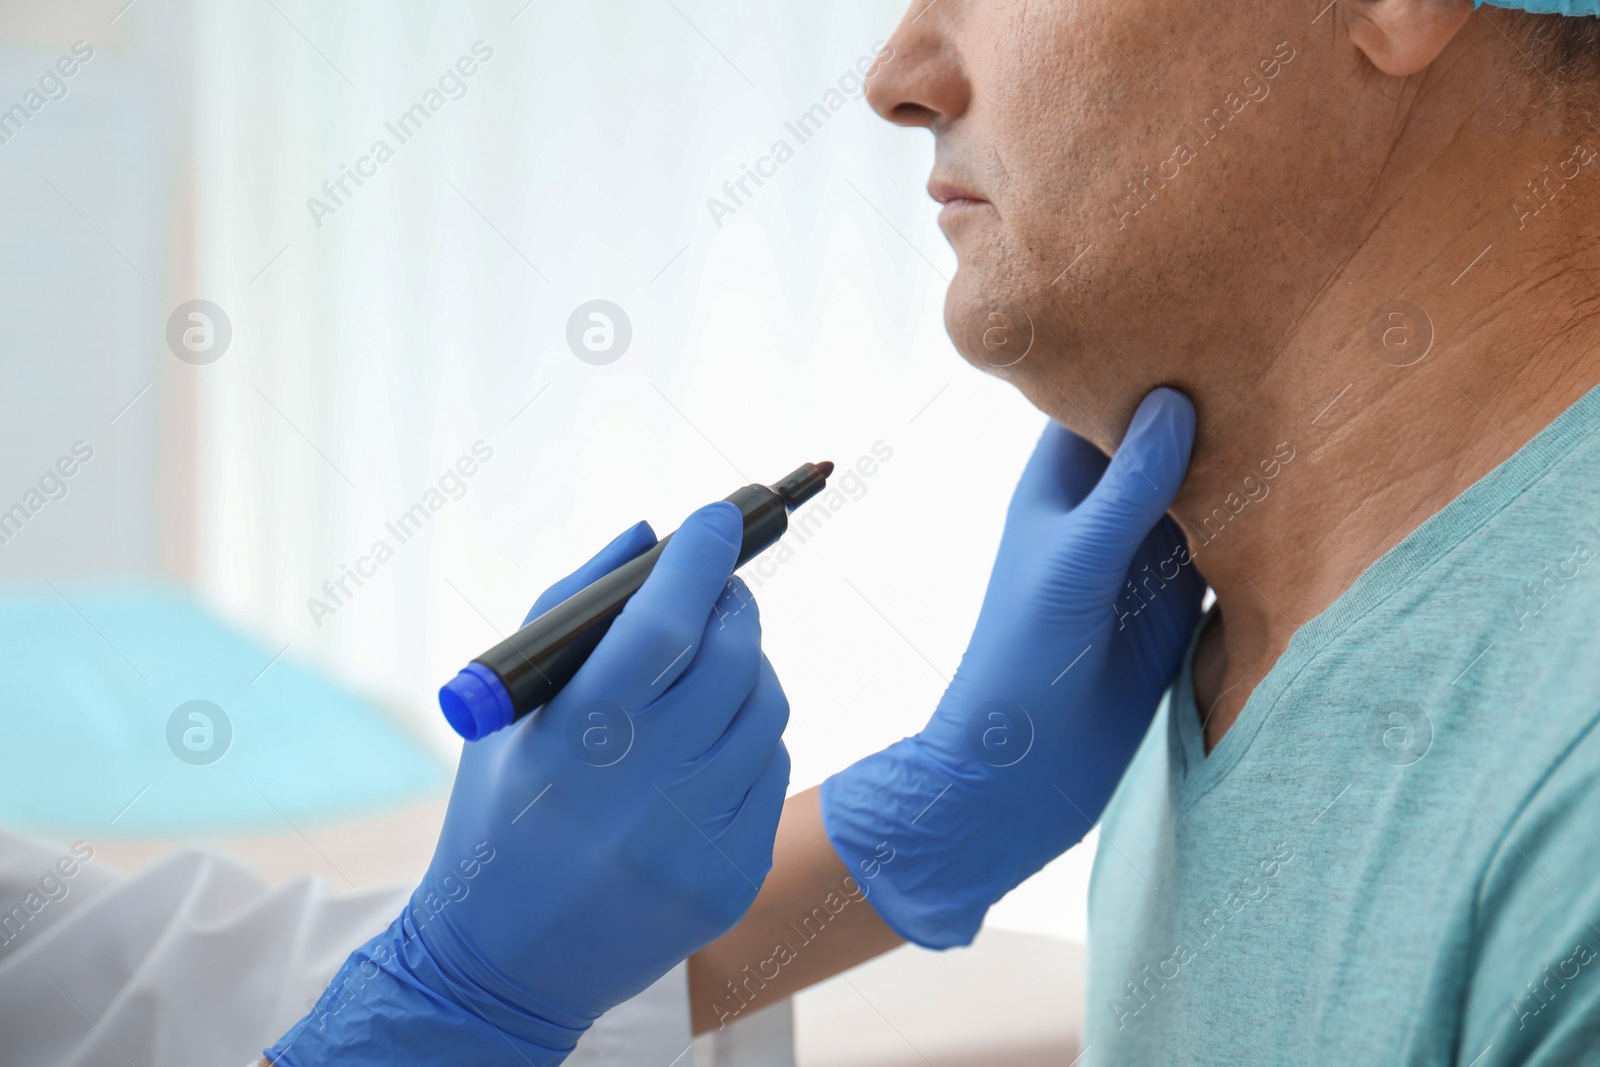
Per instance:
(1534,990)
(1554,835)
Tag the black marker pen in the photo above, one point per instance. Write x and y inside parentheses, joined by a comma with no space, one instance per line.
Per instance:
(528,668)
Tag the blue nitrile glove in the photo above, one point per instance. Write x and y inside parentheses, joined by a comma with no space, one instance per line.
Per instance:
(1055,691)
(591,846)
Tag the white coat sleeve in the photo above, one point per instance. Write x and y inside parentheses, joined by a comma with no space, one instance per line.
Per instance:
(196,962)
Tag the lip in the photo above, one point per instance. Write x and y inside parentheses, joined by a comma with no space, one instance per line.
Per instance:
(956,202)
(948,193)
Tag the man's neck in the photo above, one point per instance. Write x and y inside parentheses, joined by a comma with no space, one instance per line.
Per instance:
(1304,478)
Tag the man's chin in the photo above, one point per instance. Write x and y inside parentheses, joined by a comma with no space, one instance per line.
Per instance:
(1017,340)
(993,331)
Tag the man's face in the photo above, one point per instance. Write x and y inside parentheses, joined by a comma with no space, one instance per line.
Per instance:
(1157,190)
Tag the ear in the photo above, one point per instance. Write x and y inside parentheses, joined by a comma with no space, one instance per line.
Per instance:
(1401,37)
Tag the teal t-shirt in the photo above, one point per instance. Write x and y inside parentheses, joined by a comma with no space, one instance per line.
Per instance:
(1393,856)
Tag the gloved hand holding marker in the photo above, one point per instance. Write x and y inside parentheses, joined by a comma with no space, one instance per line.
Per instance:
(569,876)
(528,668)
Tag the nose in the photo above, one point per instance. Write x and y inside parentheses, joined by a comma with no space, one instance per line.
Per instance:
(919,78)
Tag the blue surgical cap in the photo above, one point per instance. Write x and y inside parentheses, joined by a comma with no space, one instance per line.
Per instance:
(1548,7)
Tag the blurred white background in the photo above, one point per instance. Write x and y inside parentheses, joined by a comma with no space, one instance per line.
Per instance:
(372,346)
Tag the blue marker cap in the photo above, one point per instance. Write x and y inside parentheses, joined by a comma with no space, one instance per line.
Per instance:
(475,702)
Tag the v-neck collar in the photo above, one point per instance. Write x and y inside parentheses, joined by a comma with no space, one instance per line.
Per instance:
(1410,559)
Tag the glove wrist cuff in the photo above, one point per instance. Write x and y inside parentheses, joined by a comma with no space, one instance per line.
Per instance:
(934,846)
(883,817)
(392,999)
